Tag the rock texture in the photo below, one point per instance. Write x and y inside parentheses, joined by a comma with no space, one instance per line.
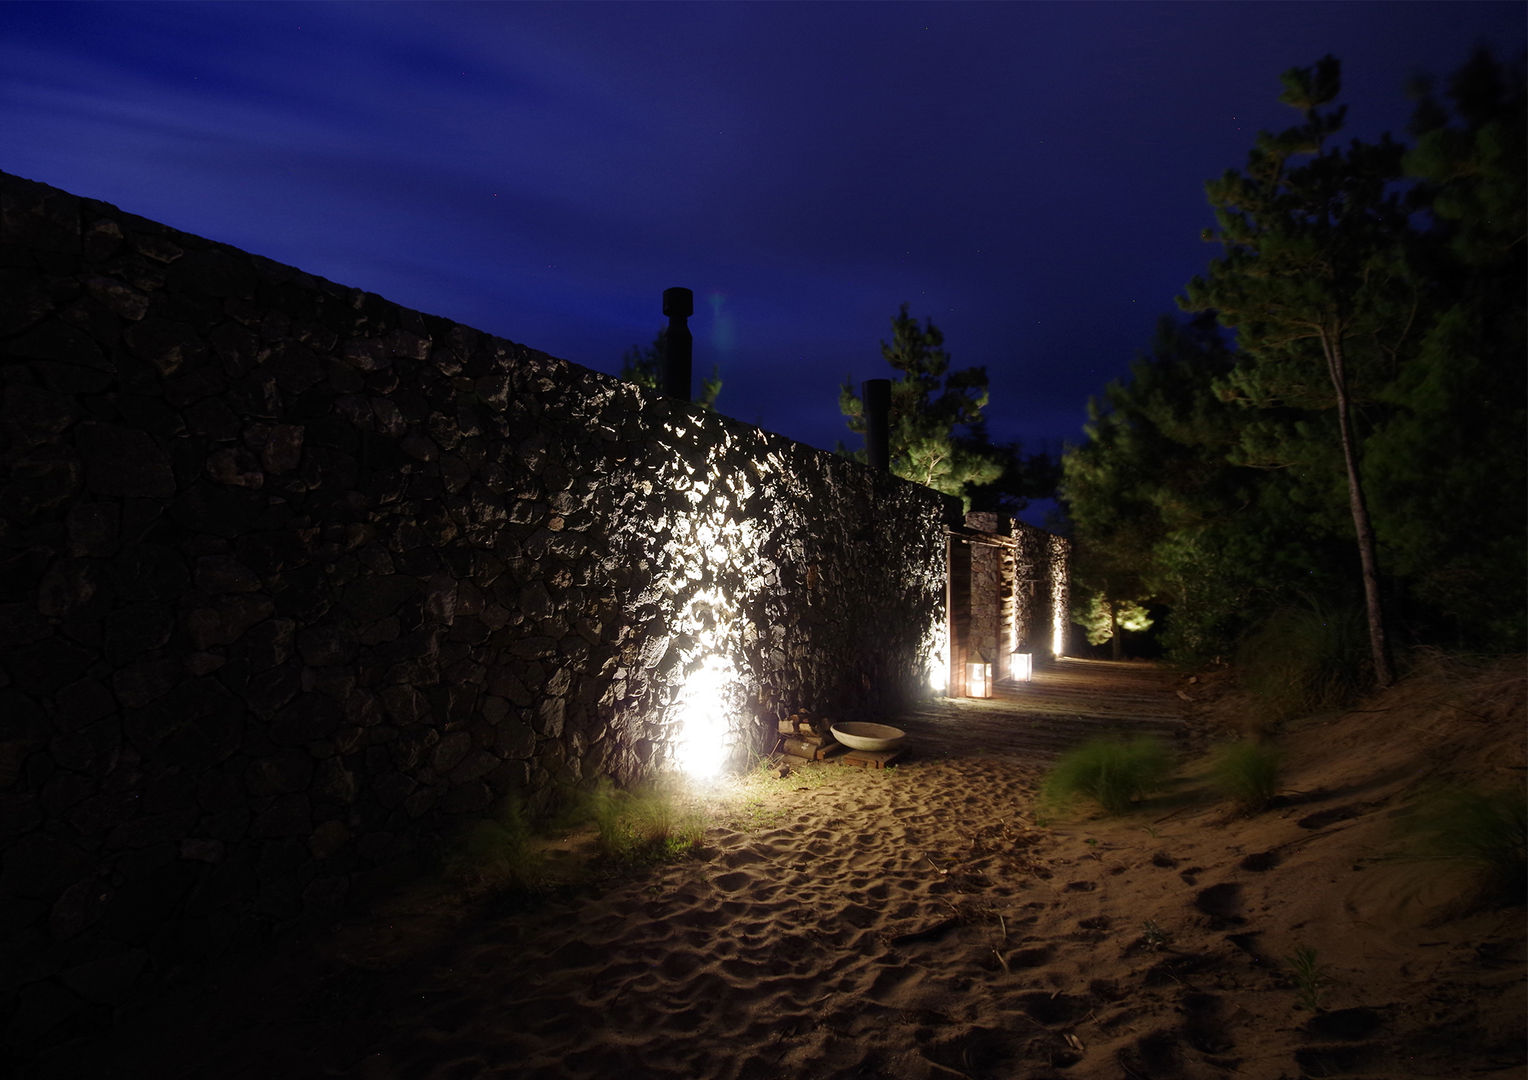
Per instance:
(293,579)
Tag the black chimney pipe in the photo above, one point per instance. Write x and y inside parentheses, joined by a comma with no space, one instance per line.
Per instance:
(678,305)
(876,394)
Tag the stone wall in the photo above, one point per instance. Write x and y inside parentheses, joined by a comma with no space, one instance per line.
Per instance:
(1016,596)
(293,580)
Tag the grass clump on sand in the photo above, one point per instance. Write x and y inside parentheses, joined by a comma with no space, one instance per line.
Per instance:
(1485,830)
(1247,773)
(509,854)
(1113,772)
(1303,660)
(496,854)
(1309,978)
(643,825)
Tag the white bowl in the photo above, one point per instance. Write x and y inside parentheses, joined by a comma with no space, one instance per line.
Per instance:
(869,736)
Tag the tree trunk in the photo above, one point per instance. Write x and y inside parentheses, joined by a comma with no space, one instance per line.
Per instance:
(1118,647)
(1378,644)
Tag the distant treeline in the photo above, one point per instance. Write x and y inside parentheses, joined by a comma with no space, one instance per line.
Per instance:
(1339,425)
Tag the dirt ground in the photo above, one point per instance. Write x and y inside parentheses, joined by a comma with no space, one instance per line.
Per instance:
(927,921)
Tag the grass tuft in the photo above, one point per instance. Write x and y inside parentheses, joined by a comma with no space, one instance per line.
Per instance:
(1247,773)
(1310,978)
(1113,772)
(496,854)
(1486,830)
(643,825)
(1304,660)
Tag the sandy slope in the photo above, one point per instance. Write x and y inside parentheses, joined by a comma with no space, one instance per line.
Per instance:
(918,922)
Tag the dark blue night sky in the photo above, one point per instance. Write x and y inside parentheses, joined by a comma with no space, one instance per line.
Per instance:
(1028,175)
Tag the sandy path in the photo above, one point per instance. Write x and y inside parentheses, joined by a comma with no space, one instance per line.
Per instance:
(911,922)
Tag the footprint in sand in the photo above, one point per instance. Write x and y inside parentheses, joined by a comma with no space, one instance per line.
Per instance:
(1345,1024)
(859,916)
(743,856)
(734,882)
(1035,957)
(1323,818)
(1222,903)
(1337,1060)
(1154,1055)
(891,984)
(1261,861)
(1204,1024)
(1048,1009)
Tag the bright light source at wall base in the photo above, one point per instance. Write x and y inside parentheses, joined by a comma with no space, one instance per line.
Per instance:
(703,740)
(1022,665)
(938,670)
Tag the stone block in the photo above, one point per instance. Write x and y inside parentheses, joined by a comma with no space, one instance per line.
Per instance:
(373,598)
(451,749)
(144,682)
(64,790)
(216,574)
(164,344)
(476,764)
(136,629)
(40,865)
(404,704)
(213,271)
(269,691)
(225,620)
(334,782)
(326,646)
(550,716)
(282,816)
(469,798)
(420,802)
(282,773)
(306,719)
(325,894)
(328,838)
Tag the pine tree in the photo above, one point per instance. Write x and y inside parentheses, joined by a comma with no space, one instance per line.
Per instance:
(1315,283)
(1448,471)
(1161,510)
(937,434)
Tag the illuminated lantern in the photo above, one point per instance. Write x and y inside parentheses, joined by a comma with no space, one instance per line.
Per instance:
(979,679)
(1022,665)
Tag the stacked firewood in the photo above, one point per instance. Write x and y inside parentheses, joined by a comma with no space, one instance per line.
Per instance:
(803,735)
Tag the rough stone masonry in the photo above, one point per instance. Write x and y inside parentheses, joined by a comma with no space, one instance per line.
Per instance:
(293,580)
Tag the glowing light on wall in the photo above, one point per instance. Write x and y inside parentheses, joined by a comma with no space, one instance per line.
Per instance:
(705,562)
(937,649)
(705,738)
(1060,569)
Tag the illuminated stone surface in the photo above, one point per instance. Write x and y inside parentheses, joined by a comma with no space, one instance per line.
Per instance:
(296,580)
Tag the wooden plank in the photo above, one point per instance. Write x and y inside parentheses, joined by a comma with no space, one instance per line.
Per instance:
(811,751)
(870,759)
